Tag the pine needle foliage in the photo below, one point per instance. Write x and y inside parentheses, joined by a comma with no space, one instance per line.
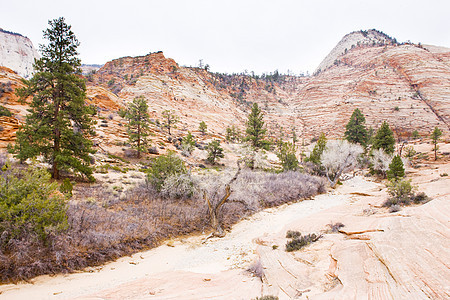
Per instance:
(59,122)
(384,139)
(138,124)
(256,131)
(356,131)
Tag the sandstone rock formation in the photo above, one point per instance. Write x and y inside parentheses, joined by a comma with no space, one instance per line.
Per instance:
(405,84)
(17,53)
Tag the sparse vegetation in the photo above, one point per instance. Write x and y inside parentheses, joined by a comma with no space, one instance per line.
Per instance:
(299,241)
(4,112)
(169,120)
(287,157)
(435,135)
(203,127)
(215,152)
(163,167)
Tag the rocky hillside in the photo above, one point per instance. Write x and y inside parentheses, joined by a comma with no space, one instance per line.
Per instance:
(17,53)
(405,84)
(354,39)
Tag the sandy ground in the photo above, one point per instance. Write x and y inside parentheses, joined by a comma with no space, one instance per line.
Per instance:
(377,255)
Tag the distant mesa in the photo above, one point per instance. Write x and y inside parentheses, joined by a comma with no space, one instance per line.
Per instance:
(17,53)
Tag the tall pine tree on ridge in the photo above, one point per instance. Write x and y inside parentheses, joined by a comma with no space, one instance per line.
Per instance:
(59,121)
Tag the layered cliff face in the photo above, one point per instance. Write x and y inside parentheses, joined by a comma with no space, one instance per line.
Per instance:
(17,53)
(404,84)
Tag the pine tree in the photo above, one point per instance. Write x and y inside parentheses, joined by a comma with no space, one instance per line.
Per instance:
(137,127)
(435,135)
(384,139)
(318,149)
(169,119)
(356,131)
(232,134)
(396,169)
(188,143)
(287,157)
(59,121)
(214,151)
(202,127)
(255,131)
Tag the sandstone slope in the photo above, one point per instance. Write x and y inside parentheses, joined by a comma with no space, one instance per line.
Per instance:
(17,53)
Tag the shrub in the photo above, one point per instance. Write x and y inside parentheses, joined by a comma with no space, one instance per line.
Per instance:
(215,152)
(163,167)
(301,241)
(178,186)
(4,112)
(267,297)
(401,192)
(339,157)
(415,134)
(66,187)
(30,205)
(287,157)
(290,234)
(188,144)
(394,208)
(409,151)
(379,162)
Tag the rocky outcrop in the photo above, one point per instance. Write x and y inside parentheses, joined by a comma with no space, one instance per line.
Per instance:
(17,53)
(354,39)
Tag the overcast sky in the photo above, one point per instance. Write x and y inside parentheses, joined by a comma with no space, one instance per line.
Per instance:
(229,35)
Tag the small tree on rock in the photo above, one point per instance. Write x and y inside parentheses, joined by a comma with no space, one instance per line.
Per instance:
(137,127)
(356,131)
(188,144)
(169,119)
(202,127)
(232,134)
(215,152)
(435,135)
(396,169)
(384,139)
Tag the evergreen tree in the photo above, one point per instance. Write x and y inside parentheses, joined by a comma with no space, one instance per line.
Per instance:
(214,151)
(232,134)
(435,135)
(137,127)
(202,127)
(384,139)
(356,131)
(287,157)
(188,143)
(396,169)
(318,149)
(59,121)
(255,131)
(415,134)
(169,119)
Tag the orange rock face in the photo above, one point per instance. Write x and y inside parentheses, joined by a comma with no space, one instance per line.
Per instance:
(406,85)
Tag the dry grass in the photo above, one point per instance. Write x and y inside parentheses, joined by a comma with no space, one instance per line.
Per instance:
(104,227)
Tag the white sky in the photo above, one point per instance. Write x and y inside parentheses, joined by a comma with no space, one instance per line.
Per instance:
(229,35)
